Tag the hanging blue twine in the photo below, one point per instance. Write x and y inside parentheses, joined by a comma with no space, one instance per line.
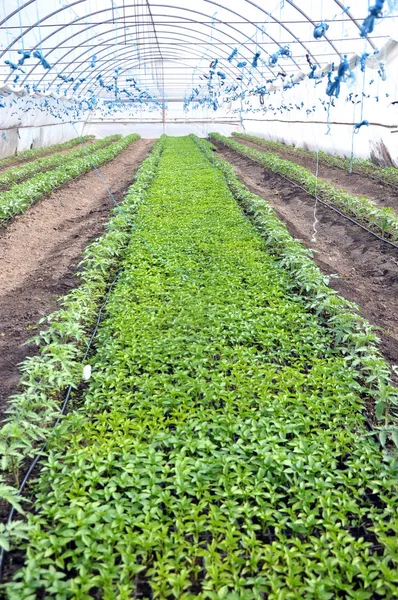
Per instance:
(66,78)
(320,30)
(256,59)
(382,72)
(375,12)
(358,126)
(38,54)
(242,64)
(24,56)
(283,51)
(232,55)
(333,88)
(363,61)
(312,73)
(13,66)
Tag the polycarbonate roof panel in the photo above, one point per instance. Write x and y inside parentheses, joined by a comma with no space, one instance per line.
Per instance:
(167,47)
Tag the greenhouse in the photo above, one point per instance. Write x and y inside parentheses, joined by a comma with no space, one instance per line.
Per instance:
(198,299)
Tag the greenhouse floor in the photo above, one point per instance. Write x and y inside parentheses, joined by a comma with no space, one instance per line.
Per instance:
(354,183)
(41,249)
(219,447)
(367,268)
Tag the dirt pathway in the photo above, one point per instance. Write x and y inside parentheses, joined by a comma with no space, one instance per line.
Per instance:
(40,250)
(367,268)
(357,185)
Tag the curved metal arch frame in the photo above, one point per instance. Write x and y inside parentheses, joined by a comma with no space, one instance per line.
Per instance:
(157,5)
(106,10)
(16,11)
(339,4)
(227,34)
(180,8)
(110,31)
(115,61)
(268,15)
(349,15)
(176,59)
(301,12)
(21,35)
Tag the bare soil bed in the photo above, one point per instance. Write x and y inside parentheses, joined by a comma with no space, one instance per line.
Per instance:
(357,185)
(39,252)
(367,268)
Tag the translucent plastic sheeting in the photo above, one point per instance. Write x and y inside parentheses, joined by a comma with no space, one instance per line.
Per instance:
(167,47)
(234,63)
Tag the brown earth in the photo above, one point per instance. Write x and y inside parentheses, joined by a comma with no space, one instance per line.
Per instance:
(367,267)
(353,183)
(3,169)
(39,252)
(8,186)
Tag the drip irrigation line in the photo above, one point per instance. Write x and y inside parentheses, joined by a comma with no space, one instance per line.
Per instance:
(378,179)
(89,345)
(331,207)
(360,174)
(65,403)
(338,211)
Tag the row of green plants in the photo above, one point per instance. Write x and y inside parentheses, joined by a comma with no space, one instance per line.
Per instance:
(42,151)
(341,316)
(22,195)
(362,166)
(62,340)
(220,449)
(41,165)
(383,221)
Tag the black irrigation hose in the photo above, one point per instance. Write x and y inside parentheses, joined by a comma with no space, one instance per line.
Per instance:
(325,203)
(378,179)
(63,410)
(339,212)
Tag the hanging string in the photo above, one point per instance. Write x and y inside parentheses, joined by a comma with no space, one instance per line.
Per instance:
(320,30)
(358,126)
(333,88)
(38,25)
(375,12)
(315,223)
(362,122)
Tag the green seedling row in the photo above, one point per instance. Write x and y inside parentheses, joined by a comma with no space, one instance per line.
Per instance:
(64,334)
(388,175)
(307,280)
(43,151)
(41,165)
(61,341)
(20,196)
(383,221)
(219,450)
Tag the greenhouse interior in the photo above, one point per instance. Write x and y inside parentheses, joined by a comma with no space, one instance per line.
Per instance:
(198,299)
